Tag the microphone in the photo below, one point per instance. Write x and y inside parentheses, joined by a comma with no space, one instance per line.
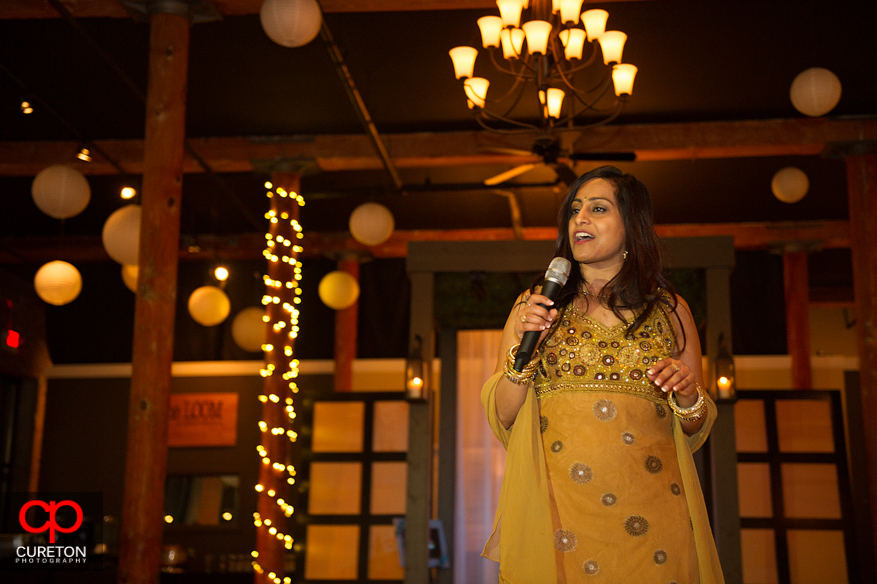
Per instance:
(555,278)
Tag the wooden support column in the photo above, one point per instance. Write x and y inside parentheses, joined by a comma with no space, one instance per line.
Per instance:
(276,451)
(420,445)
(797,294)
(346,331)
(862,185)
(146,455)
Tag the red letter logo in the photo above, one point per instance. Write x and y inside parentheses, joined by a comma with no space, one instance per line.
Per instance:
(52,525)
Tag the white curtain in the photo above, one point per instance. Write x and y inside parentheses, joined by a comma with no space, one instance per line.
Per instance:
(480,459)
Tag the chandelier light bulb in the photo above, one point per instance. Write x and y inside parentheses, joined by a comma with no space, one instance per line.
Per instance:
(573,40)
(490,27)
(512,42)
(464,61)
(476,90)
(554,96)
(84,155)
(26,108)
(128,192)
(537,32)
(595,22)
(612,44)
(569,11)
(622,78)
(510,12)
(221,273)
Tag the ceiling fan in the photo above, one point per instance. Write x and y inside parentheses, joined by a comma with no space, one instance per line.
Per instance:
(549,149)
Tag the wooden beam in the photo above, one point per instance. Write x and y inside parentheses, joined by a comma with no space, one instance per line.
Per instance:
(27,9)
(862,185)
(747,236)
(154,313)
(654,142)
(796,289)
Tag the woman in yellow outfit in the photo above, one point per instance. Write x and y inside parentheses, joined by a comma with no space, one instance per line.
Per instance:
(599,483)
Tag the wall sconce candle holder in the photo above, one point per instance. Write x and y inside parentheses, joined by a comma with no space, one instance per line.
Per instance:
(416,387)
(725,385)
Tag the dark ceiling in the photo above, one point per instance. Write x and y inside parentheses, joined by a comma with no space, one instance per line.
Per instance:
(698,62)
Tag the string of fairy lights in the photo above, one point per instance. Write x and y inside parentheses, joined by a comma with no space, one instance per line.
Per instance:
(280,248)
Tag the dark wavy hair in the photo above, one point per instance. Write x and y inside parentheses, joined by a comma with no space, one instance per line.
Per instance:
(640,284)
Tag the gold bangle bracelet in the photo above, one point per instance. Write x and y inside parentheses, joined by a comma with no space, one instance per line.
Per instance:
(519,377)
(692,413)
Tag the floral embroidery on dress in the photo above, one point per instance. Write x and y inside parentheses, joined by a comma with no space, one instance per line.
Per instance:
(580,473)
(565,540)
(591,567)
(605,410)
(654,464)
(636,525)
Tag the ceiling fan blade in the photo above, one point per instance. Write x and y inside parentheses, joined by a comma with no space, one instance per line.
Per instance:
(510,151)
(609,156)
(509,174)
(565,173)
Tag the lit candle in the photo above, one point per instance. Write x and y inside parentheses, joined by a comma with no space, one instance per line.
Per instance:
(724,384)
(415,388)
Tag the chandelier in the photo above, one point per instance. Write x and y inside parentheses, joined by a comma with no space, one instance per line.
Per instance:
(569,82)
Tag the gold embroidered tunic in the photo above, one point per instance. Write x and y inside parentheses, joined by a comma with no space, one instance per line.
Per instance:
(619,510)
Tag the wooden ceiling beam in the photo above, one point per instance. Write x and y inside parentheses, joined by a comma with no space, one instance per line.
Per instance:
(654,142)
(27,9)
(249,246)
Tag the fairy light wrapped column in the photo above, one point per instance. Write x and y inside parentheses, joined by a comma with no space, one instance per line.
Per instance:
(276,450)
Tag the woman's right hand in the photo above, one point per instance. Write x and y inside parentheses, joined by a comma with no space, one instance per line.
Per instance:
(533,317)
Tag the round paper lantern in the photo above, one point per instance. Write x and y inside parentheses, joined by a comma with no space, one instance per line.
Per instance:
(338,290)
(60,191)
(58,283)
(209,305)
(291,23)
(129,276)
(815,91)
(789,184)
(248,329)
(371,224)
(121,235)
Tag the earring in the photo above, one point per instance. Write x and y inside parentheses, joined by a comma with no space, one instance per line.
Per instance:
(624,255)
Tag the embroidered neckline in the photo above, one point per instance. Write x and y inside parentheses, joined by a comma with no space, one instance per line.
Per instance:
(607,328)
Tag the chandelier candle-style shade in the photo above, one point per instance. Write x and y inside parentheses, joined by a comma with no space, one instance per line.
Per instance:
(612,43)
(622,78)
(573,40)
(476,90)
(544,91)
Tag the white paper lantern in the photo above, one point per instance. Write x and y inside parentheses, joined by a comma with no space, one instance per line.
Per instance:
(209,306)
(121,235)
(371,224)
(58,283)
(815,91)
(60,191)
(338,290)
(248,329)
(291,23)
(789,184)
(129,276)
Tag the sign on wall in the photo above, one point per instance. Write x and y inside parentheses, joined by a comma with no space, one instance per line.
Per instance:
(203,419)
